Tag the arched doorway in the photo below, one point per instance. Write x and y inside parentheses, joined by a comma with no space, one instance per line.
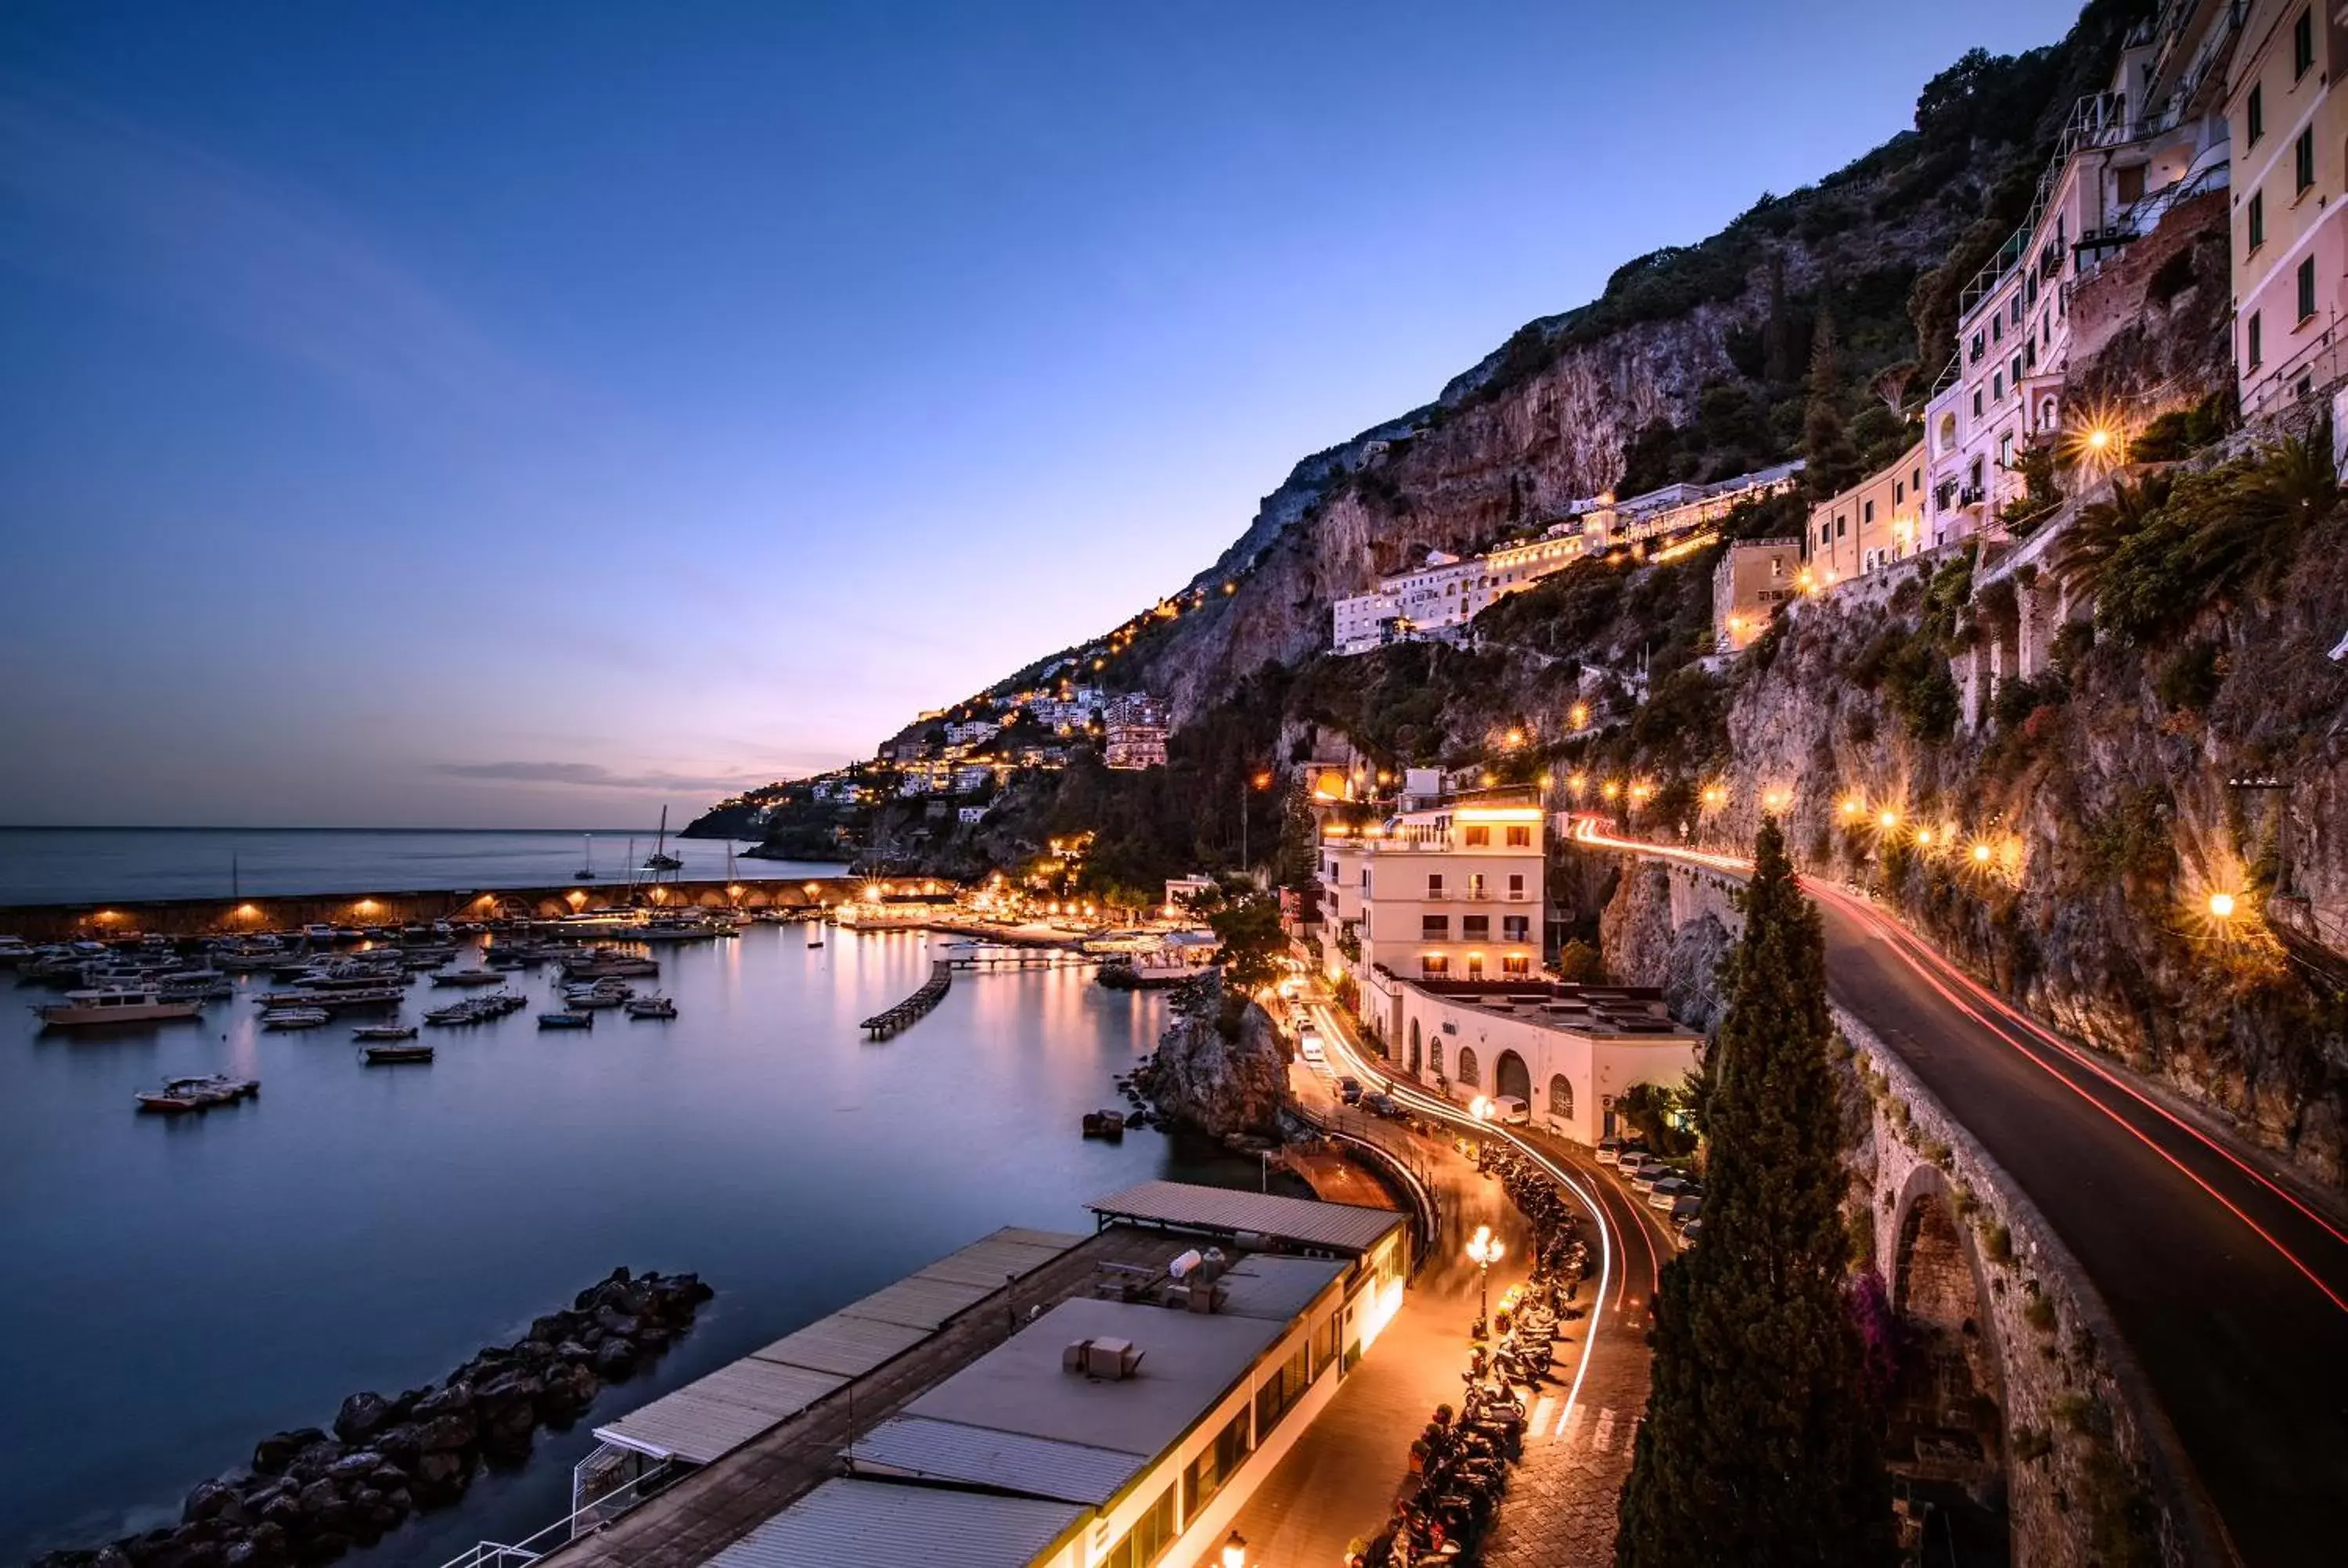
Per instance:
(1467,1066)
(1947,1421)
(1414,1048)
(1511,1076)
(1560,1097)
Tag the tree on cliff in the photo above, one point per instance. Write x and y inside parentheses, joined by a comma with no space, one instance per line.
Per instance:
(1758,1447)
(1827,447)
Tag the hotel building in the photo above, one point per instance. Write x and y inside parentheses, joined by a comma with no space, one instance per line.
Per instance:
(1135,736)
(2289,133)
(1753,579)
(1449,890)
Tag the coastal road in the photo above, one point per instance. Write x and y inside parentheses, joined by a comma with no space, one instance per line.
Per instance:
(1560,1507)
(2228,1279)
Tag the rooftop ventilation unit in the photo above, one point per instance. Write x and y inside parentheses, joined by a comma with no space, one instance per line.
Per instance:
(1110,1360)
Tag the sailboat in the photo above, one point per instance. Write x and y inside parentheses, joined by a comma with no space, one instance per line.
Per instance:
(660,860)
(586,872)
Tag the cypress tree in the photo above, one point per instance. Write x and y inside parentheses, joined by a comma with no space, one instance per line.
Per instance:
(1833,461)
(1758,1447)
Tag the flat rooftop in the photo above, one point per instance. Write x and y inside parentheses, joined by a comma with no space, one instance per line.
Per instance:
(1188,1361)
(1227,1212)
(1604,1012)
(875,1524)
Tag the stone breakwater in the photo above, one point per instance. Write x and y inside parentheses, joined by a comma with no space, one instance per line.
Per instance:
(310,1495)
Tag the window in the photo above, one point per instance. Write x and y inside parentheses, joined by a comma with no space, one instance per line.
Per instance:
(2254,117)
(1997,329)
(1842,526)
(1997,387)
(1434,927)
(1478,838)
(2013,372)
(1467,1066)
(2016,309)
(1916,482)
(2258,219)
(1825,532)
(1516,964)
(1325,1344)
(1520,838)
(1282,1390)
(1977,403)
(2006,450)
(1516,884)
(1977,346)
(2130,181)
(1151,1534)
(1516,927)
(1434,885)
(1561,1096)
(1475,966)
(1205,1475)
(1866,513)
(2303,44)
(1435,1057)
(2307,288)
(2250,342)
(1475,927)
(2304,160)
(1899,491)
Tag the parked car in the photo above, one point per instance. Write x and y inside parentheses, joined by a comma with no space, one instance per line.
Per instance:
(1509,1109)
(1685,1207)
(1309,1045)
(1349,1089)
(1630,1162)
(1666,1191)
(1690,1231)
(1648,1174)
(1610,1151)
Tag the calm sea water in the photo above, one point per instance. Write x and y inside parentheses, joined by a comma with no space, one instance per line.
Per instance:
(74,864)
(177,1287)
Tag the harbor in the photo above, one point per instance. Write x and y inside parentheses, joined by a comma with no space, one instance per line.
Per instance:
(238,1270)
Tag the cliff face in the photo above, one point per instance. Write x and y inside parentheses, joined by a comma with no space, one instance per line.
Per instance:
(1641,947)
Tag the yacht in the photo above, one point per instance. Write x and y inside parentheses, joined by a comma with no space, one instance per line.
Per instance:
(294,1018)
(82,1009)
(197,1093)
(15,950)
(385,1031)
(651,1007)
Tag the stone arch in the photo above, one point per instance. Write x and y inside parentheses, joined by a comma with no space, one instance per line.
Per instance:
(1434,1056)
(1414,1048)
(1467,1066)
(1949,1411)
(1560,1097)
(1511,1076)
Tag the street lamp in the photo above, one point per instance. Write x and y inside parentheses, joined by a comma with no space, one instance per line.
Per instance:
(2221,905)
(1484,1250)
(1234,1553)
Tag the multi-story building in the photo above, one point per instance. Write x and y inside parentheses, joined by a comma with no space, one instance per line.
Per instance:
(2289,133)
(1754,578)
(1680,509)
(2155,138)
(1366,620)
(1876,521)
(1450,890)
(1136,728)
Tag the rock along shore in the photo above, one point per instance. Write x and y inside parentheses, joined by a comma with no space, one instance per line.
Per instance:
(310,1495)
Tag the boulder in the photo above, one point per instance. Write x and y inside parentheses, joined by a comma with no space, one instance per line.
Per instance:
(400,1445)
(614,1322)
(440,1468)
(213,1500)
(453,1400)
(354,1467)
(283,1510)
(270,1542)
(571,1350)
(615,1359)
(318,1497)
(109,1557)
(446,1434)
(361,1417)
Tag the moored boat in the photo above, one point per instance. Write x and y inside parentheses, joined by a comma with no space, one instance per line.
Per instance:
(142,1004)
(203,1093)
(651,1007)
(294,1018)
(389,1031)
(390,1055)
(566,1021)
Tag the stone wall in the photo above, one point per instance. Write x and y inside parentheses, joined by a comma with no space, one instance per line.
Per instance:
(2086,1446)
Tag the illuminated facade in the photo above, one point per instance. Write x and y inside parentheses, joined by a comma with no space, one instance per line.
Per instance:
(1451,891)
(1755,579)
(2289,131)
(1880,521)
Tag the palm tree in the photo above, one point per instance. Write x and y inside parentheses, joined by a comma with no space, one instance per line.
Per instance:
(2098,529)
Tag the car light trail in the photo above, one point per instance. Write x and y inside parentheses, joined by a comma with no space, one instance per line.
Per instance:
(1924,961)
(1443,1109)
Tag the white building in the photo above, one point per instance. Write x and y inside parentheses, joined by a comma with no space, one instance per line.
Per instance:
(1451,890)
(2156,136)
(1677,510)
(1136,733)
(1446,593)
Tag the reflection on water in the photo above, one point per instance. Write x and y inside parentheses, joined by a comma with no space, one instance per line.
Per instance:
(178,1287)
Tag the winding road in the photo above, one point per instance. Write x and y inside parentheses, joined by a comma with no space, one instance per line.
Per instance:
(2228,1281)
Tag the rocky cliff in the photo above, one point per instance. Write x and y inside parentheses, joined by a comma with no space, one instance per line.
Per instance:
(1222,1070)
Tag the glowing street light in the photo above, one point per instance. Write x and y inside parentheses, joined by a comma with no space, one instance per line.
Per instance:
(1776,799)
(1981,855)
(2221,905)
(1851,807)
(1484,1250)
(1234,1552)
(1610,789)
(1513,738)
(1888,821)
(1714,797)
(1580,713)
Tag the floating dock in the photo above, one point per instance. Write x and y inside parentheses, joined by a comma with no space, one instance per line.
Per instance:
(882,1025)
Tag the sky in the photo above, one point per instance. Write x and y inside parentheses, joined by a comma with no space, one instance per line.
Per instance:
(464,415)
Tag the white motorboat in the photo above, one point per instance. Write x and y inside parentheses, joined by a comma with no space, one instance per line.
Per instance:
(651,1007)
(385,1031)
(83,1009)
(15,950)
(294,1018)
(179,1095)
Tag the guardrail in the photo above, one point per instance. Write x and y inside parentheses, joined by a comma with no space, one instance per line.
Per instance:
(585,1520)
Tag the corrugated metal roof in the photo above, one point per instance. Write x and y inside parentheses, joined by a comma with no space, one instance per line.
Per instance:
(990,1261)
(875,1524)
(1276,1288)
(843,1343)
(713,1416)
(922,1303)
(1040,1467)
(1344,1226)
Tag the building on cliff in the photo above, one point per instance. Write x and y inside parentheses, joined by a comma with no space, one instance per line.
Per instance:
(1451,889)
(1875,522)
(2155,138)
(1136,733)
(1755,580)
(2290,250)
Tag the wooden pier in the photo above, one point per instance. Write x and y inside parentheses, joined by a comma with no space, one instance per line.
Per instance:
(1028,958)
(882,1025)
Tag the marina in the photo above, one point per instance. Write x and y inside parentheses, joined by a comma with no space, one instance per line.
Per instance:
(738,1139)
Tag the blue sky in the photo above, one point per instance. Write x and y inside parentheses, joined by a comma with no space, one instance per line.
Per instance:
(461,415)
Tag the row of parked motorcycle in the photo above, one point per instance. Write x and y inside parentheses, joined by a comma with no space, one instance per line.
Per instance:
(1459,1464)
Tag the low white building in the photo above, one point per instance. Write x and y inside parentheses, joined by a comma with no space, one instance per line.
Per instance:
(1567,1052)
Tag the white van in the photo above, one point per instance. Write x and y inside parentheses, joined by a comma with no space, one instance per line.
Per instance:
(1511,1111)
(1308,1045)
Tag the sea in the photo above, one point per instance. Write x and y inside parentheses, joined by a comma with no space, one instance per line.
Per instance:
(178,1287)
(127,865)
